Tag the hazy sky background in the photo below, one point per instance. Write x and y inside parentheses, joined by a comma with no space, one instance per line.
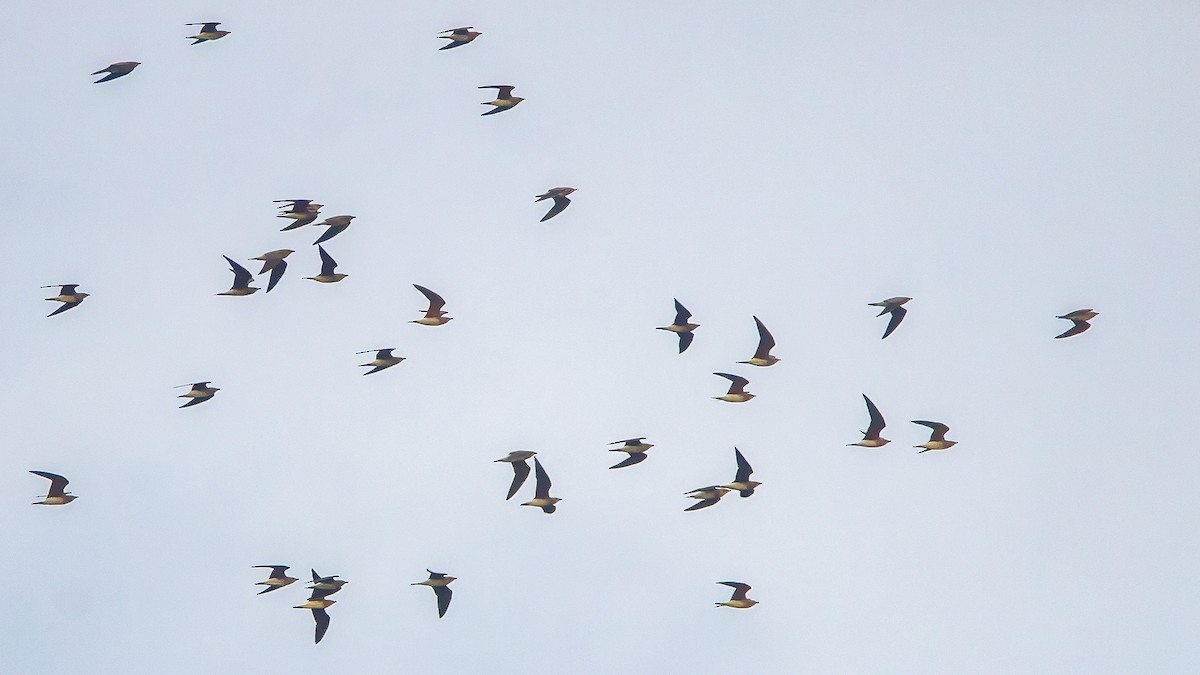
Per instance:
(1000,163)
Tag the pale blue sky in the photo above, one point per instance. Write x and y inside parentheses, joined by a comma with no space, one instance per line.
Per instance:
(1001,164)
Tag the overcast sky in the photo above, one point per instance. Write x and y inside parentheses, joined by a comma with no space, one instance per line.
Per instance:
(1000,164)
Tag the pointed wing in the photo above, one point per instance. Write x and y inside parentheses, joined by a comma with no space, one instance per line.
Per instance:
(1076,328)
(738,385)
(630,441)
(632,459)
(560,202)
(333,231)
(68,289)
(443,594)
(435,301)
(543,481)
(322,619)
(241,275)
(502,90)
(939,429)
(681,315)
(57,482)
(276,274)
(520,473)
(328,264)
(739,589)
(765,340)
(702,504)
(65,306)
(877,423)
(685,341)
(897,316)
(743,467)
(277,571)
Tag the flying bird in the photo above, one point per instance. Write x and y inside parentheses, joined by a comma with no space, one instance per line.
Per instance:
(741,482)
(636,449)
(273,262)
(892,306)
(337,225)
(762,355)
(328,265)
(937,439)
(331,584)
(55,496)
(737,389)
(66,295)
(119,69)
(541,495)
(199,393)
(300,211)
(434,316)
(318,602)
(1079,322)
(707,495)
(277,580)
(208,32)
(871,437)
(739,599)
(520,469)
(504,98)
(458,37)
(682,326)
(559,195)
(440,583)
(241,280)
(383,359)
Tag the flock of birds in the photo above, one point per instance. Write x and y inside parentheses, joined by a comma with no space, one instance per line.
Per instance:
(301,212)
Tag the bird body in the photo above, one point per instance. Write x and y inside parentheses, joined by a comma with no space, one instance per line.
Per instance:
(766,342)
(66,295)
(439,583)
(278,578)
(1079,322)
(504,99)
(328,265)
(871,437)
(737,389)
(937,439)
(434,316)
(458,37)
(118,69)
(682,326)
(208,32)
(520,469)
(57,494)
(707,496)
(741,482)
(892,306)
(542,498)
(559,195)
(739,599)
(199,393)
(383,359)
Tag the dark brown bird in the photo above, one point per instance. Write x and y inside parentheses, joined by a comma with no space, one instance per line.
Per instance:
(300,211)
(739,599)
(277,580)
(383,359)
(741,482)
(200,393)
(559,195)
(57,494)
(1079,322)
(119,69)
(241,280)
(208,32)
(458,37)
(541,495)
(737,389)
